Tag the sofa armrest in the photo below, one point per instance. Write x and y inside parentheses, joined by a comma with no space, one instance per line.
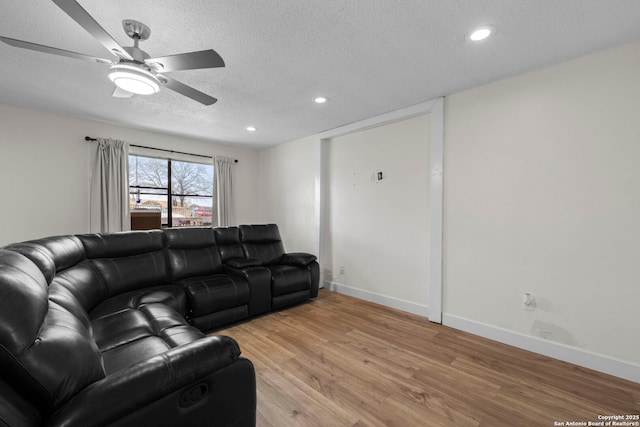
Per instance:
(143,383)
(243,263)
(298,258)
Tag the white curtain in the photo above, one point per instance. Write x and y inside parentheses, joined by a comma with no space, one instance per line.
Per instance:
(222,170)
(109,199)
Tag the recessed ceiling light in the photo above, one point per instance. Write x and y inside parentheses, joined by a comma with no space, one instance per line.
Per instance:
(251,128)
(320,100)
(481,33)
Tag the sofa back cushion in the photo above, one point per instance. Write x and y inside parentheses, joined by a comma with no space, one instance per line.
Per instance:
(262,242)
(127,261)
(79,289)
(63,262)
(228,241)
(45,350)
(192,252)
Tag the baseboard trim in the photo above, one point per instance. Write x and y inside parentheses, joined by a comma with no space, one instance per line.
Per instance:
(393,302)
(598,362)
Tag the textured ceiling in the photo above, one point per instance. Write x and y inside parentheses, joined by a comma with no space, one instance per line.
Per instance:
(367,56)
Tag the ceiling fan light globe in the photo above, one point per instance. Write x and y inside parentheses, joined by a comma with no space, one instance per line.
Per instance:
(137,87)
(134,79)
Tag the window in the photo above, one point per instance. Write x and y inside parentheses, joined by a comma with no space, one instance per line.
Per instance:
(182,190)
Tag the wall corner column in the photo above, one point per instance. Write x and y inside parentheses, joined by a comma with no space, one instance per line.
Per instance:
(436,206)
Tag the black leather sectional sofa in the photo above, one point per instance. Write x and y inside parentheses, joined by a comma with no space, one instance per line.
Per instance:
(108,329)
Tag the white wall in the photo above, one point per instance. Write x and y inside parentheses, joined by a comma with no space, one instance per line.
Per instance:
(377,230)
(542,194)
(287,192)
(44,171)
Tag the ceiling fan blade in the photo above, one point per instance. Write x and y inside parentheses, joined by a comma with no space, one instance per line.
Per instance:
(52,50)
(187,61)
(187,91)
(121,93)
(78,14)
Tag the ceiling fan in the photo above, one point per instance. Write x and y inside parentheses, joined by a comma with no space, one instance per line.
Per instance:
(135,72)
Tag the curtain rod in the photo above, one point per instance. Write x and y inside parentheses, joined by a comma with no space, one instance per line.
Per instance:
(88,138)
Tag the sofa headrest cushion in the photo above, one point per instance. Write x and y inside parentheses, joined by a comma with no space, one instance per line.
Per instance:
(190,238)
(262,233)
(227,235)
(115,245)
(52,254)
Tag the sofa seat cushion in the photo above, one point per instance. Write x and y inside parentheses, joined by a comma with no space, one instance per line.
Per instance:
(170,295)
(217,292)
(120,328)
(123,356)
(134,334)
(287,279)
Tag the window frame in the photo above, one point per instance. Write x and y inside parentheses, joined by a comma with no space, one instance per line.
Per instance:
(168,190)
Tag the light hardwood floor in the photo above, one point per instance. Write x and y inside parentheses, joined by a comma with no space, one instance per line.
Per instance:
(341,361)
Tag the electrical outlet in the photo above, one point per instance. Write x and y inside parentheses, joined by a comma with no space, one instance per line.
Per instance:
(528,303)
(342,269)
